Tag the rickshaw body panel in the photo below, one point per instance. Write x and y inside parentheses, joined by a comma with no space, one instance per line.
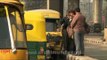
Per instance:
(6,54)
(38,32)
(36,38)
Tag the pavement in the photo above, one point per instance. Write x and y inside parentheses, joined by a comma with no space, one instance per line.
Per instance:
(96,51)
(95,48)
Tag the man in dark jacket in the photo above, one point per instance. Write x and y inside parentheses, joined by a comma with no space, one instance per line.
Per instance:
(65,37)
(68,43)
(64,22)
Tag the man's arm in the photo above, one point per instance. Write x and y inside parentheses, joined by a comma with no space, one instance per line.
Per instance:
(62,21)
(72,24)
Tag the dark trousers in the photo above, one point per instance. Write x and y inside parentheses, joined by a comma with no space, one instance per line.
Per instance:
(65,38)
(71,45)
(68,43)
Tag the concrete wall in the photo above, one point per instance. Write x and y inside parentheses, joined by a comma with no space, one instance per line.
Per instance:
(73,4)
(70,4)
(57,5)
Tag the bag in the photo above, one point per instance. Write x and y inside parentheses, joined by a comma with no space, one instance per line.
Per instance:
(87,28)
(70,32)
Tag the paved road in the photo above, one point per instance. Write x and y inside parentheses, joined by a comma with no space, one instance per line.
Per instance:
(96,51)
(95,34)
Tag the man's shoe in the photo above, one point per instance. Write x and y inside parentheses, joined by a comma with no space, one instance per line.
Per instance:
(81,54)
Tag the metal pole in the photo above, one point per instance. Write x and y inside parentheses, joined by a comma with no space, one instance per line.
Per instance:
(48,4)
(105,14)
(10,31)
(97,15)
(65,3)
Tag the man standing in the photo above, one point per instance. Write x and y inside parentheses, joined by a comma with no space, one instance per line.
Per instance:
(71,44)
(77,25)
(64,23)
(68,41)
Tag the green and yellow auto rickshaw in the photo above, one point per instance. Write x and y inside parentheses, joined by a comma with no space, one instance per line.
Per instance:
(53,32)
(12,33)
(36,35)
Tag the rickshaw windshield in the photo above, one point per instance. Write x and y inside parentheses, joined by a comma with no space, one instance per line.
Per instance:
(4,32)
(51,25)
(15,25)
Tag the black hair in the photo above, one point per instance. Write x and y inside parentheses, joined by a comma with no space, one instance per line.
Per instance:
(72,11)
(77,9)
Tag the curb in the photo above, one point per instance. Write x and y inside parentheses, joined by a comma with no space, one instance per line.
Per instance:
(72,57)
(95,41)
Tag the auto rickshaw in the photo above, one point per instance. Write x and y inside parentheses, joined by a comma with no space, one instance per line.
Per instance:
(12,32)
(36,35)
(53,32)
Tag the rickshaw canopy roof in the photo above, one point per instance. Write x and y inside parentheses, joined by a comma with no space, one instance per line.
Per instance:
(15,3)
(47,13)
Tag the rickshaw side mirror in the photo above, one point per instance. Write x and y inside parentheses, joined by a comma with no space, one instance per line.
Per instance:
(28,26)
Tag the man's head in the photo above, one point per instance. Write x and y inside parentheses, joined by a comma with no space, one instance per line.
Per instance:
(71,13)
(77,9)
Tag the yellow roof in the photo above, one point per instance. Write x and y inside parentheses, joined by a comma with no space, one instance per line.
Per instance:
(5,1)
(33,16)
(15,3)
(47,13)
(10,1)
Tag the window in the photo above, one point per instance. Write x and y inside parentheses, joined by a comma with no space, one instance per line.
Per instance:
(16,27)
(51,25)
(4,31)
